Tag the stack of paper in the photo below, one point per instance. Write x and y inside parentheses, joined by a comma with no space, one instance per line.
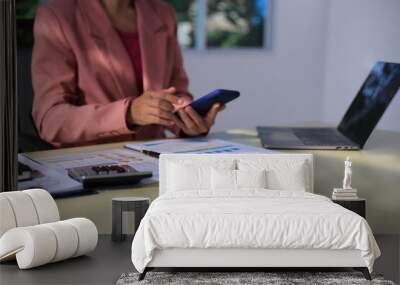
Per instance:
(344,194)
(53,171)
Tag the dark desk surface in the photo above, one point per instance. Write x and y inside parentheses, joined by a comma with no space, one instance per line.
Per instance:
(110,260)
(376,175)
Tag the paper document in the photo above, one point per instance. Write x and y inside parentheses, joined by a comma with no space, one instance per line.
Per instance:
(195,145)
(50,179)
(134,159)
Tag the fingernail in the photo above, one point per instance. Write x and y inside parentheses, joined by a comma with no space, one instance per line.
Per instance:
(180,101)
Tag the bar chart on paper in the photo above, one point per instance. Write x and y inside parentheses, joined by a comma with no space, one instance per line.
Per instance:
(193,146)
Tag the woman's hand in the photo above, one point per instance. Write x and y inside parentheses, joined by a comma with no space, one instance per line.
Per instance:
(192,124)
(154,107)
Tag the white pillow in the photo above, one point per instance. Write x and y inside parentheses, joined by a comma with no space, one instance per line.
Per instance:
(293,178)
(225,179)
(251,178)
(281,174)
(184,176)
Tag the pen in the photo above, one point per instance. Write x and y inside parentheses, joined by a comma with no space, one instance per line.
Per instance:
(151,153)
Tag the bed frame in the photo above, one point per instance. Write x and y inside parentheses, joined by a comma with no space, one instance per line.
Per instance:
(242,259)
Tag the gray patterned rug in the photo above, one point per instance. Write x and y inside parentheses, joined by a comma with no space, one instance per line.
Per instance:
(243,278)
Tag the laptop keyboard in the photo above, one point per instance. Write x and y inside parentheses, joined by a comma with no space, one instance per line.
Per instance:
(320,136)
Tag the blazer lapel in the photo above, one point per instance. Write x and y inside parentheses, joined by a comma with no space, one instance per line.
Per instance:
(153,43)
(110,45)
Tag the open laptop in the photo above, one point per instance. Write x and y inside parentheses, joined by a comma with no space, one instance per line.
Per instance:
(367,108)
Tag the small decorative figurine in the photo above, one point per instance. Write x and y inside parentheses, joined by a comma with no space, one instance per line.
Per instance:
(347,174)
(346,192)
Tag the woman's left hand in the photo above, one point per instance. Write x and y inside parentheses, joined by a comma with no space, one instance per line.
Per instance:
(192,124)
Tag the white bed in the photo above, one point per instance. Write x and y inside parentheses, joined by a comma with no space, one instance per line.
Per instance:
(197,222)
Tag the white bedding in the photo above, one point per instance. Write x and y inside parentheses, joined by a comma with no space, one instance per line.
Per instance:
(250,219)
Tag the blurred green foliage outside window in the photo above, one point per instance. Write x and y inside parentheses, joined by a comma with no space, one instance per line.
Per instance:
(224,23)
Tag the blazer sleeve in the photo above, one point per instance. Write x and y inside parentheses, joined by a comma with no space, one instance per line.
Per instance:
(57,112)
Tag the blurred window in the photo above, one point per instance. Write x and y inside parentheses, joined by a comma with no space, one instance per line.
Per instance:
(185,16)
(207,23)
(223,23)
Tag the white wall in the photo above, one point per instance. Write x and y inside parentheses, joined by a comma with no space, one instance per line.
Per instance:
(322,52)
(360,32)
(278,86)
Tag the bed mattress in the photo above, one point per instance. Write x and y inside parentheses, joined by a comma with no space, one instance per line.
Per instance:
(250,219)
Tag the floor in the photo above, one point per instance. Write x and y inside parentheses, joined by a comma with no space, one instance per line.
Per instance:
(103,266)
(110,260)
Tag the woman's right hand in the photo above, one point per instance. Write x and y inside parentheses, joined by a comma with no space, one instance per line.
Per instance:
(154,107)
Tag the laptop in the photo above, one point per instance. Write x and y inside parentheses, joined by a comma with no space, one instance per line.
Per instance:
(359,121)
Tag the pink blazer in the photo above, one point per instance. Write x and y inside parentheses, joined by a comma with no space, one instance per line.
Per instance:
(82,75)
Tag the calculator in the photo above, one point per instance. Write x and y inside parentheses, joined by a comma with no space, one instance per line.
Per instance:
(107,175)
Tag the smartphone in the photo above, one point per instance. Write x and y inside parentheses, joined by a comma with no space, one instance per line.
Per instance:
(204,103)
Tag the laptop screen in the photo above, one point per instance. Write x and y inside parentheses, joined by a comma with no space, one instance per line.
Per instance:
(371,102)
